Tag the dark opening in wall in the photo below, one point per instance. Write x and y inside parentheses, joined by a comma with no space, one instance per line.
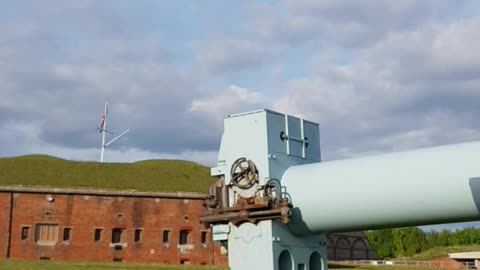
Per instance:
(183,240)
(98,235)
(25,230)
(117,235)
(166,235)
(138,235)
(67,234)
(203,238)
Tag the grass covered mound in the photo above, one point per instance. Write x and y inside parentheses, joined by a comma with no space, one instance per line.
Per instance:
(440,252)
(148,175)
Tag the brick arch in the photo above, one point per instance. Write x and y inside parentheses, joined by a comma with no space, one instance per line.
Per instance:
(330,248)
(359,249)
(343,249)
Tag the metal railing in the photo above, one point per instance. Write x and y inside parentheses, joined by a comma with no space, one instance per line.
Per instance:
(411,264)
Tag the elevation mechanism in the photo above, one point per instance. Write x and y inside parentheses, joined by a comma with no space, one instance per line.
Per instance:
(103,129)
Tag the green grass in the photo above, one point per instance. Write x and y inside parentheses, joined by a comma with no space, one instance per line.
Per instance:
(148,175)
(49,265)
(373,267)
(439,252)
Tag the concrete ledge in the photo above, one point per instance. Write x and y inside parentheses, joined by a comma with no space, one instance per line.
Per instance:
(101,192)
(465,255)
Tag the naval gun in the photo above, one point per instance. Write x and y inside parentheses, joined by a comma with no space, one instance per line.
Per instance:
(274,200)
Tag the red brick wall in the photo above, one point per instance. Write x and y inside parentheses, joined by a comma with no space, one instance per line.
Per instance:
(84,213)
(4,216)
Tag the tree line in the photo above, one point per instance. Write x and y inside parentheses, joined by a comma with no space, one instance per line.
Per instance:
(408,241)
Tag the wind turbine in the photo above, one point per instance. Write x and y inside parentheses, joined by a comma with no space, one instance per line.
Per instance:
(103,129)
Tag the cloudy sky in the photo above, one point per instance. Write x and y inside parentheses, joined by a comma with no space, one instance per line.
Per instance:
(378,76)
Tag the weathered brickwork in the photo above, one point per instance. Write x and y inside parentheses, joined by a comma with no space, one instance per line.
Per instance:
(140,221)
(4,223)
(122,226)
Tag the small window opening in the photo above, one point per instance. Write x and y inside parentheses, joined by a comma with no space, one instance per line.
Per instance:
(67,234)
(183,240)
(98,235)
(138,235)
(116,236)
(203,238)
(25,230)
(166,234)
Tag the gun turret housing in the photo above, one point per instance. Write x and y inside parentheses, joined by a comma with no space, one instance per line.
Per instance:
(274,199)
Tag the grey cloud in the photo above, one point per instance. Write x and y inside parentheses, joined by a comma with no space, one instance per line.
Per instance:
(440,52)
(62,92)
(408,73)
(269,31)
(23,138)
(344,23)
(386,99)
(80,19)
(209,111)
(59,62)
(230,55)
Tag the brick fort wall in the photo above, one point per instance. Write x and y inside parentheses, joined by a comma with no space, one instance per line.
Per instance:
(104,228)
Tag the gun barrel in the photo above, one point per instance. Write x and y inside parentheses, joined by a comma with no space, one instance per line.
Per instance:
(426,186)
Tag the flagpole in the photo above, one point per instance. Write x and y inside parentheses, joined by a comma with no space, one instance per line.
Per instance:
(103,128)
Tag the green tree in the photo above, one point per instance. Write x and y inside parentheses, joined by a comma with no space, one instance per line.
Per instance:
(382,242)
(432,239)
(466,236)
(409,241)
(444,238)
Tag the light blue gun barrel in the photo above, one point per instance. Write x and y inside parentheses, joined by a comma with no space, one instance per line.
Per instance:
(426,186)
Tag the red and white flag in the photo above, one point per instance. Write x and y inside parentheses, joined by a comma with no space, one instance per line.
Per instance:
(103,123)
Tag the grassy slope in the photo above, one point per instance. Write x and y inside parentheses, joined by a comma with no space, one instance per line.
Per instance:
(440,252)
(149,175)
